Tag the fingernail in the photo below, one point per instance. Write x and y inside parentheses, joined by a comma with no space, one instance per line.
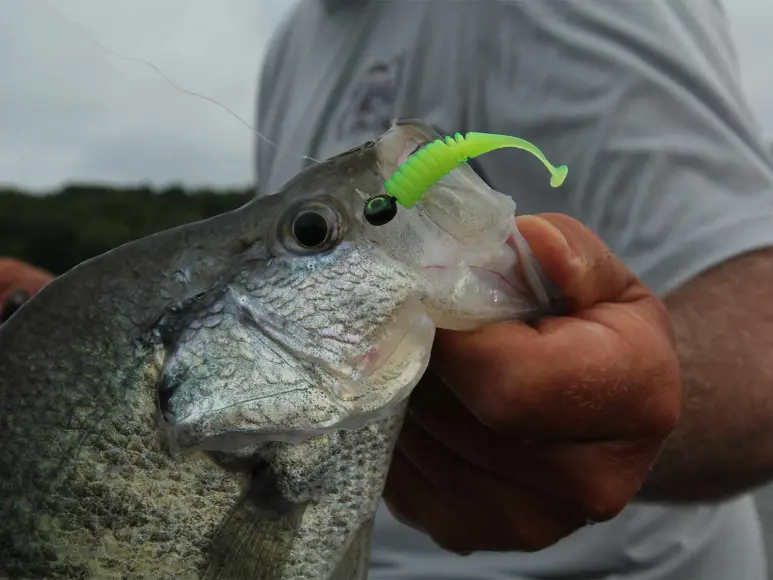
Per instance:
(559,241)
(554,232)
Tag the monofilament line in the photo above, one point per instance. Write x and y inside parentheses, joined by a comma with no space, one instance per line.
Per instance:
(87,35)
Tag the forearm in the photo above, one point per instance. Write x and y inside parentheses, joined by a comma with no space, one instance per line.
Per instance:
(723,444)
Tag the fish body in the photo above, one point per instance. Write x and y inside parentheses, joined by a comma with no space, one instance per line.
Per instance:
(221,400)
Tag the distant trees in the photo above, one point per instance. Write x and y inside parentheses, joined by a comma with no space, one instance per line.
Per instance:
(60,230)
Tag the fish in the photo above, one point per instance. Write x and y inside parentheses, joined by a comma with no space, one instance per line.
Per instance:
(222,399)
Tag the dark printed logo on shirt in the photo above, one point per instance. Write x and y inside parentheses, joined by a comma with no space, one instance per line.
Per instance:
(370,108)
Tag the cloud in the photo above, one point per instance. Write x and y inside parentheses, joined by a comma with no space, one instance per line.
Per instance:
(68,111)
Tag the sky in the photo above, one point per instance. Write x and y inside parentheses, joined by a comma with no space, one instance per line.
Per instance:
(69,111)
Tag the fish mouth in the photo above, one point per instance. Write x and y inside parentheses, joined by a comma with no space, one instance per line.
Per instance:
(332,398)
(467,286)
(479,267)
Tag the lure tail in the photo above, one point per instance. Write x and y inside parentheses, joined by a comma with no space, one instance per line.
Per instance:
(435,160)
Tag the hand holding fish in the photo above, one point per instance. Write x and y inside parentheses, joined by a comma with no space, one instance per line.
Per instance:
(519,435)
(18,281)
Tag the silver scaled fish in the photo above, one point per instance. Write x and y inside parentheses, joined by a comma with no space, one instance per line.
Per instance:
(221,400)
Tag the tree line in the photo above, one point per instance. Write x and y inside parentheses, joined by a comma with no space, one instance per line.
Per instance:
(59,230)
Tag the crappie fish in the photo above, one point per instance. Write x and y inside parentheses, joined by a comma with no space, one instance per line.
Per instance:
(221,400)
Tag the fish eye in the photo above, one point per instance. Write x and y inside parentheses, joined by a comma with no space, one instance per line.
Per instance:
(310,229)
(311,226)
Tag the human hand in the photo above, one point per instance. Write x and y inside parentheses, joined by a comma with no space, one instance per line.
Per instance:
(18,282)
(519,435)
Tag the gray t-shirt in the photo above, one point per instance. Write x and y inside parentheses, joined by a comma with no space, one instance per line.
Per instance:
(642,100)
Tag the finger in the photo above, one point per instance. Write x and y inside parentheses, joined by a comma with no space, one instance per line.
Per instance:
(608,370)
(439,412)
(514,516)
(581,381)
(588,273)
(598,479)
(404,490)
(16,275)
(576,260)
(414,502)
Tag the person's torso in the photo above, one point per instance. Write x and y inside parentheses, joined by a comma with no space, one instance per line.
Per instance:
(341,78)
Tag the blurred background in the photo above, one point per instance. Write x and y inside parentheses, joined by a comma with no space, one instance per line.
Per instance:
(97,149)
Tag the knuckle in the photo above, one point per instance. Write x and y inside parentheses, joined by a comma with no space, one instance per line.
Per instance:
(663,319)
(496,407)
(605,510)
(492,399)
(655,394)
(663,419)
(493,416)
(606,499)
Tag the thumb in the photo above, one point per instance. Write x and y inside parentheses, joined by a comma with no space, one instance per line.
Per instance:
(578,263)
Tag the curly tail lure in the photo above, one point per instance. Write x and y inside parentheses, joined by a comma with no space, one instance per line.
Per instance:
(437,159)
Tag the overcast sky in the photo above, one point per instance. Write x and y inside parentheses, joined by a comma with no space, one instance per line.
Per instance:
(68,111)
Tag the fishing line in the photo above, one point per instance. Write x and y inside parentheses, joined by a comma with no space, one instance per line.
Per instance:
(87,35)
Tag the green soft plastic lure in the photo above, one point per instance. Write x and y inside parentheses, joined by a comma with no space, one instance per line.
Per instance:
(437,159)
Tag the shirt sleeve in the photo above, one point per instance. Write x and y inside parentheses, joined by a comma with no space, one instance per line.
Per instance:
(642,101)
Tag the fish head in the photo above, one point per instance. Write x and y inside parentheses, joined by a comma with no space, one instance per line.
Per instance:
(324,321)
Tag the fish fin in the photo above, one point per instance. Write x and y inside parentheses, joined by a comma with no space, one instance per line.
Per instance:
(354,564)
(254,540)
